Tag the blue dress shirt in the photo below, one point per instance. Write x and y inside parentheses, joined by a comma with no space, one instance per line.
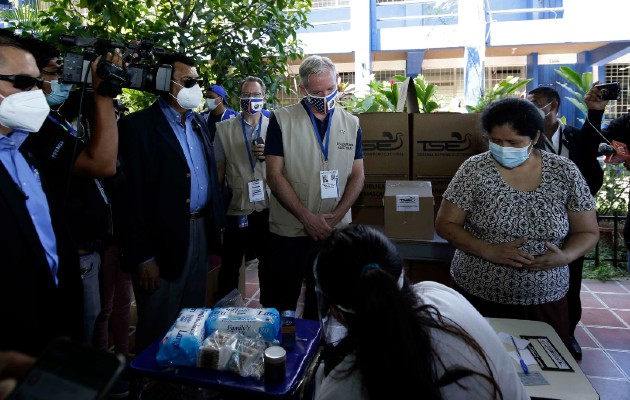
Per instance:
(27,180)
(192,146)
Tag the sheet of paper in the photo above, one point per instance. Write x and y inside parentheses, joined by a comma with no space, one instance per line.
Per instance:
(527,357)
(534,378)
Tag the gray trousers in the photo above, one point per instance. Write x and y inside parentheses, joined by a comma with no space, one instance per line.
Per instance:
(90,264)
(158,311)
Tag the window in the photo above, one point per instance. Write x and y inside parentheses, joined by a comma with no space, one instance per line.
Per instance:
(618,73)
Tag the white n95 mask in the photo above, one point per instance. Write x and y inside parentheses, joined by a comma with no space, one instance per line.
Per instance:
(26,111)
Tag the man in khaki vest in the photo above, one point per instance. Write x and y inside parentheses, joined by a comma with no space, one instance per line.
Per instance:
(314,159)
(239,147)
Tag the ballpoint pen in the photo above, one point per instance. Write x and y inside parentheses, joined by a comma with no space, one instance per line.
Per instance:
(523,365)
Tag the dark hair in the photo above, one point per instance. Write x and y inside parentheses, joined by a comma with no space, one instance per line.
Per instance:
(9,39)
(172,58)
(522,115)
(550,93)
(401,359)
(42,51)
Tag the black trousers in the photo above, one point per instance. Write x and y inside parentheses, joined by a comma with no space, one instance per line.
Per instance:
(291,264)
(236,240)
(573,296)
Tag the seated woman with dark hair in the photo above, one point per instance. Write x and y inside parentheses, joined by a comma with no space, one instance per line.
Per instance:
(517,217)
(401,340)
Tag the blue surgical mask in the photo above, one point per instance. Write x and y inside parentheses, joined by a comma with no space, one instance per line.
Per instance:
(323,104)
(510,157)
(252,105)
(59,92)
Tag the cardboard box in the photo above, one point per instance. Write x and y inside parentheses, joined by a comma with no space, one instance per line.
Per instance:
(374,189)
(368,215)
(385,143)
(438,186)
(387,137)
(408,212)
(443,141)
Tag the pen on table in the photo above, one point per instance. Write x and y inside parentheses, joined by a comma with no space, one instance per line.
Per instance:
(523,365)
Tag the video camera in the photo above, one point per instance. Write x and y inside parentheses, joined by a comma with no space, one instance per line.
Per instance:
(139,72)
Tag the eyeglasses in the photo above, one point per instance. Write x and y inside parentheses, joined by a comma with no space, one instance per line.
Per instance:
(56,71)
(190,82)
(250,94)
(22,82)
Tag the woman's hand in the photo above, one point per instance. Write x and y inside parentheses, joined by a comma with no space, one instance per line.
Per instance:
(509,253)
(554,258)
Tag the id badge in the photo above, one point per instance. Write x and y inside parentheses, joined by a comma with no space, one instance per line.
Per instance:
(242,221)
(329,182)
(256,191)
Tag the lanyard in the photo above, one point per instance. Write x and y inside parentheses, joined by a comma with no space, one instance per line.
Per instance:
(249,153)
(66,126)
(319,139)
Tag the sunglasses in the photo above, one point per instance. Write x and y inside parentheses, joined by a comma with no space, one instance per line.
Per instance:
(190,82)
(22,82)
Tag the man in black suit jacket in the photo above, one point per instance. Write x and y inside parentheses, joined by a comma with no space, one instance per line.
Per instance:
(40,283)
(172,208)
(569,142)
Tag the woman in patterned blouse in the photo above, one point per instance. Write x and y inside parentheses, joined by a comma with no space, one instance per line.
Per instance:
(517,217)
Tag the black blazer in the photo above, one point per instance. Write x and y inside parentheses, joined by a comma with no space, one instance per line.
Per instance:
(583,151)
(156,194)
(33,310)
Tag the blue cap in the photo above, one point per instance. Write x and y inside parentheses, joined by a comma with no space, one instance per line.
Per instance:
(218,89)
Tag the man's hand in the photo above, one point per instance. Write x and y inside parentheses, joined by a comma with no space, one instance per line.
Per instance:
(149,276)
(110,65)
(593,98)
(258,150)
(509,253)
(316,225)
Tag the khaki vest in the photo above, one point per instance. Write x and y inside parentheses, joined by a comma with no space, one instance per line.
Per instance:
(303,160)
(238,170)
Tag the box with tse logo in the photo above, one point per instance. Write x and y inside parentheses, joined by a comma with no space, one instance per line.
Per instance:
(408,210)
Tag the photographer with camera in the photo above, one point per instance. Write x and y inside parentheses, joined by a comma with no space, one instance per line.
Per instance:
(92,143)
(172,207)
(568,141)
(239,147)
(617,130)
(40,284)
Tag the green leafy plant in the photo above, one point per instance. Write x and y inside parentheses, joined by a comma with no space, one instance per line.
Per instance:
(506,88)
(384,96)
(229,39)
(602,269)
(613,195)
(577,84)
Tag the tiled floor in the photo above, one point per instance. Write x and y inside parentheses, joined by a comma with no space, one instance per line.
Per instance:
(604,332)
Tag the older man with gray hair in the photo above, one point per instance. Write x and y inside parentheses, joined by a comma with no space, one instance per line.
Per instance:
(314,160)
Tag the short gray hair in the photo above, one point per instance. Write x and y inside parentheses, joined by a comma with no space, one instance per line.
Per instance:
(315,65)
(257,80)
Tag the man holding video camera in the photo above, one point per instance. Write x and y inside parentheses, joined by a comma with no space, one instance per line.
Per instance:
(93,145)
(172,207)
(569,142)
(239,146)
(618,129)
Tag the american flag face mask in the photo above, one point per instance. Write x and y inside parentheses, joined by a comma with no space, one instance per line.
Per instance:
(323,104)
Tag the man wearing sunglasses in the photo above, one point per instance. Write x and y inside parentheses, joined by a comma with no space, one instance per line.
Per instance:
(40,283)
(569,142)
(173,211)
(92,148)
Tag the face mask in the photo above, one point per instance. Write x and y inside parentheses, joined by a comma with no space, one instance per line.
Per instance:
(252,105)
(24,110)
(59,92)
(510,157)
(212,104)
(323,104)
(189,98)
